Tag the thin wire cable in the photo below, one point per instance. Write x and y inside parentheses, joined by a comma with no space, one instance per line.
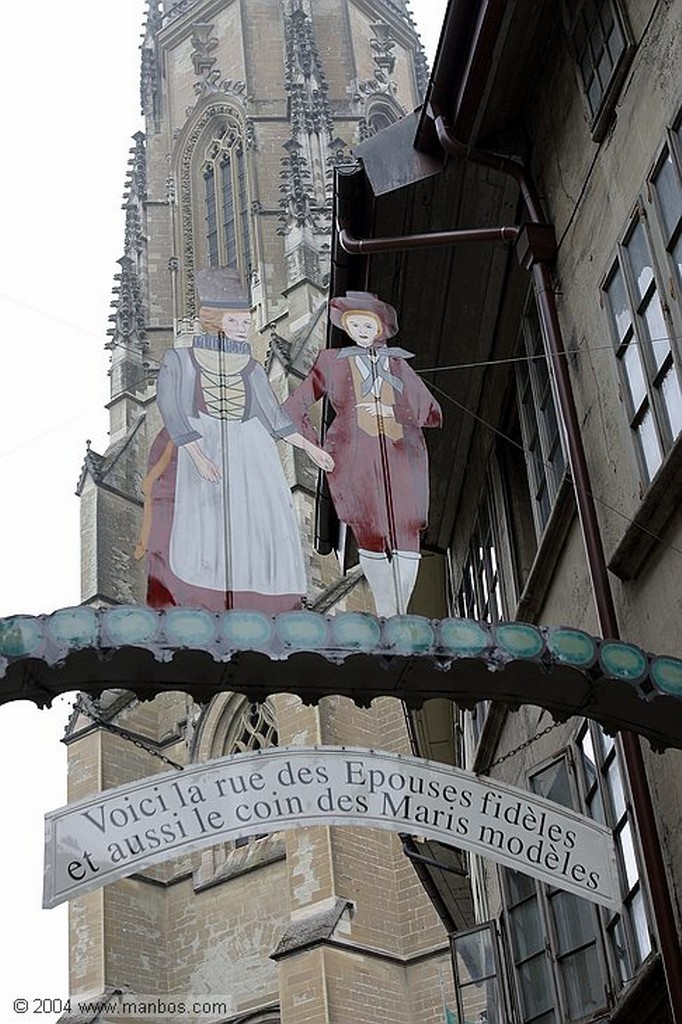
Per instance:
(542,355)
(428,369)
(147,377)
(77,327)
(547,465)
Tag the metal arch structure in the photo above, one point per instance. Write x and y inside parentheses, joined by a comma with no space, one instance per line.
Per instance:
(564,670)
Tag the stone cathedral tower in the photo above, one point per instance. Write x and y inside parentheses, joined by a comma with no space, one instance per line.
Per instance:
(248,105)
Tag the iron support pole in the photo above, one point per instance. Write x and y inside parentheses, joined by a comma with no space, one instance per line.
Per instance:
(606,613)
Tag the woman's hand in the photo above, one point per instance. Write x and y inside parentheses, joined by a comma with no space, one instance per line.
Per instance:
(377,409)
(319,456)
(205,467)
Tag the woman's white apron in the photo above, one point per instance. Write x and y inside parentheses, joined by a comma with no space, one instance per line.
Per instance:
(239,533)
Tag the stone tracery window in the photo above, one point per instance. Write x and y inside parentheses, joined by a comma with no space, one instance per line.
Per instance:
(380,111)
(226,201)
(255,729)
(380,116)
(232,725)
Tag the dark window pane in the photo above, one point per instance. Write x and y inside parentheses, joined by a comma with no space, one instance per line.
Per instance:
(616,43)
(657,331)
(476,952)
(553,783)
(619,947)
(519,887)
(595,807)
(614,784)
(544,456)
(604,68)
(528,935)
(672,397)
(244,208)
(634,375)
(599,44)
(229,228)
(677,258)
(640,260)
(639,921)
(669,195)
(583,983)
(594,93)
(606,18)
(478,989)
(211,218)
(596,34)
(536,987)
(618,303)
(574,921)
(650,446)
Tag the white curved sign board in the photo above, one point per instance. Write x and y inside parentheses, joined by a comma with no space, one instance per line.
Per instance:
(124,830)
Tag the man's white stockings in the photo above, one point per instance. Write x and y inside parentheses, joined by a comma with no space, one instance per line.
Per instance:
(391,582)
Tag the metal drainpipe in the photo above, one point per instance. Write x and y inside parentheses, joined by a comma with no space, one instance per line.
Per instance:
(366,246)
(603,596)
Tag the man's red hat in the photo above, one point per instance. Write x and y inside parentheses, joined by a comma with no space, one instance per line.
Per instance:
(365,302)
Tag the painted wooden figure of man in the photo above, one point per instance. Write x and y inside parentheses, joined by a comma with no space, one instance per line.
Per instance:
(379,484)
(220,530)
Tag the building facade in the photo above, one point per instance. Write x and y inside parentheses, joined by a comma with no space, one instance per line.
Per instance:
(580,105)
(248,108)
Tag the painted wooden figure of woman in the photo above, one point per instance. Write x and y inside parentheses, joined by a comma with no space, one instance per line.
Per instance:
(220,529)
(379,484)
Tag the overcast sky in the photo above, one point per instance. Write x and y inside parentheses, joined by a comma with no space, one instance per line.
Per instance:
(70,88)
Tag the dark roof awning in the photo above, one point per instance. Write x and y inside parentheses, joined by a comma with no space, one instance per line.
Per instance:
(352,654)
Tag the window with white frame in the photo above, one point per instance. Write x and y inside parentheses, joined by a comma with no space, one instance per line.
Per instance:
(478,976)
(602,47)
(666,195)
(480,591)
(642,300)
(602,784)
(574,939)
(554,937)
(542,440)
(567,958)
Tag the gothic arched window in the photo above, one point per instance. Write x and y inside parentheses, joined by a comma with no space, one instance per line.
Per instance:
(258,729)
(226,202)
(381,113)
(234,725)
